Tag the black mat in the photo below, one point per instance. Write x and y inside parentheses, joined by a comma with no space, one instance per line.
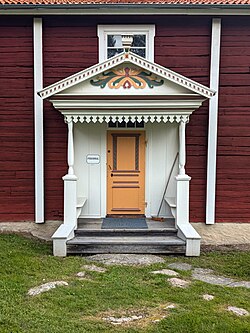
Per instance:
(124,223)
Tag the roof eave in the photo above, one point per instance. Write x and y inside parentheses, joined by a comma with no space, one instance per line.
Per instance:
(116,6)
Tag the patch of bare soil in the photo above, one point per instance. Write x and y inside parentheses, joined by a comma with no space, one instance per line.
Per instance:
(134,317)
(225,248)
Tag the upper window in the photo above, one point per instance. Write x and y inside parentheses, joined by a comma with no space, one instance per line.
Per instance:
(110,40)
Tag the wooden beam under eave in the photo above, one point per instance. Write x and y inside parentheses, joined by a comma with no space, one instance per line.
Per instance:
(38,120)
(213,121)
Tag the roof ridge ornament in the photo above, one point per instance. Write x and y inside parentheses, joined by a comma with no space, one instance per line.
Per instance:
(127,41)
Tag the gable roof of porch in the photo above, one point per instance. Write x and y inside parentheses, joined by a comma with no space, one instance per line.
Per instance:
(126,88)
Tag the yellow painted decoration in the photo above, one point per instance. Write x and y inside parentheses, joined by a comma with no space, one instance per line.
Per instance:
(127,77)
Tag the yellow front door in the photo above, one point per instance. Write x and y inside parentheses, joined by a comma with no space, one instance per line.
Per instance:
(126,173)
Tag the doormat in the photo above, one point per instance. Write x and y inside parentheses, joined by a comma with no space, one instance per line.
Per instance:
(124,223)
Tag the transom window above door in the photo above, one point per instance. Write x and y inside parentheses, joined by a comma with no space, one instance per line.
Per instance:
(110,40)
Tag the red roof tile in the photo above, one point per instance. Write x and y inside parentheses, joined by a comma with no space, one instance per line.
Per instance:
(120,2)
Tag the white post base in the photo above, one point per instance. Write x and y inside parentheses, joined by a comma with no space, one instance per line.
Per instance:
(185,229)
(192,239)
(70,199)
(60,237)
(59,248)
(182,199)
(66,230)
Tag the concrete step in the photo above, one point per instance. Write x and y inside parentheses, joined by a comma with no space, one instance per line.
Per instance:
(126,244)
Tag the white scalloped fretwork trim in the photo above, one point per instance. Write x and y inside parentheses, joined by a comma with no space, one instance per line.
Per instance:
(107,118)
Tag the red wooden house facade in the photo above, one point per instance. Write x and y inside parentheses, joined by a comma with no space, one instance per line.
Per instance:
(206,43)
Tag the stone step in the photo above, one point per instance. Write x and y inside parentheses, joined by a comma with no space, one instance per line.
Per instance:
(126,244)
(125,232)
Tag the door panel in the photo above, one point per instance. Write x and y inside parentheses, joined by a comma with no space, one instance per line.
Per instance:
(126,173)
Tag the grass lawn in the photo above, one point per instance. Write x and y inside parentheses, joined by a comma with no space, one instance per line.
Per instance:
(80,307)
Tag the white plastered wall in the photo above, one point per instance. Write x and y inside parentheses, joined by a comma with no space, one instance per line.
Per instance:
(161,149)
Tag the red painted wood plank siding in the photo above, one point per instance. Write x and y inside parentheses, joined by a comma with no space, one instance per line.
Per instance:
(16,120)
(183,45)
(70,44)
(233,175)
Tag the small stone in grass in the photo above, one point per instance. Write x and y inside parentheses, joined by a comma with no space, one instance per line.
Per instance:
(171,306)
(168,272)
(208,297)
(238,311)
(46,287)
(245,284)
(122,320)
(94,268)
(176,282)
(81,274)
(126,259)
(181,266)
(203,271)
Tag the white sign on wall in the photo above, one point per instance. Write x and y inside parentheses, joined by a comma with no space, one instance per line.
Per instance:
(93,159)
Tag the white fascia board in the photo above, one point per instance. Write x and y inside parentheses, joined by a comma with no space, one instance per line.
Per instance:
(38,120)
(213,121)
(172,76)
(126,10)
(83,105)
(81,76)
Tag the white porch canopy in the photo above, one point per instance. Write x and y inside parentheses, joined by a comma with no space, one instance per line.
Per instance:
(127,88)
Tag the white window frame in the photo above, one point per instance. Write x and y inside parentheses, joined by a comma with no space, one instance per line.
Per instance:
(104,30)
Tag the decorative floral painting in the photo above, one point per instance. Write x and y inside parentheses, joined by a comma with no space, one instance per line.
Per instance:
(126,78)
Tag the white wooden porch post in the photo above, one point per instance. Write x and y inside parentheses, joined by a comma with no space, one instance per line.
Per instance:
(185,229)
(66,230)
(182,148)
(182,202)
(70,182)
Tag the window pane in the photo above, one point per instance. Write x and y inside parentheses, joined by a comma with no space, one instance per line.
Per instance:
(112,124)
(139,41)
(122,124)
(115,41)
(140,52)
(139,124)
(113,52)
(130,124)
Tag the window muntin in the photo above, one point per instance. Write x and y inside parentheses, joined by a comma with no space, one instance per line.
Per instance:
(114,45)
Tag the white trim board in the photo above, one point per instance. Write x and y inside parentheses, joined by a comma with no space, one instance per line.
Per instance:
(213,121)
(38,120)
